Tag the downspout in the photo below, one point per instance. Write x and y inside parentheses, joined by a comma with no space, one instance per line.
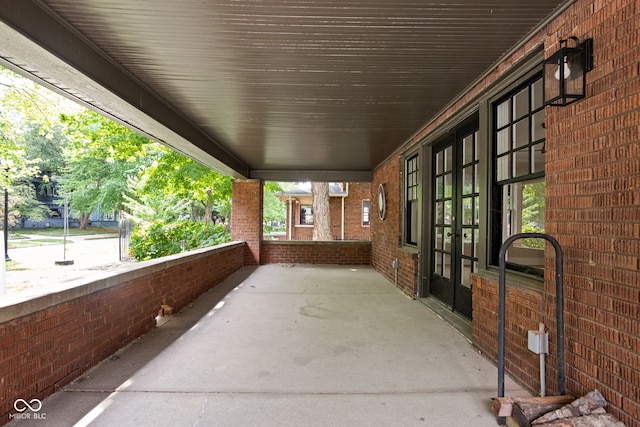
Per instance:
(343,197)
(290,217)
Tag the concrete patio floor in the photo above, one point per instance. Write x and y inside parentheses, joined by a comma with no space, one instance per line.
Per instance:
(289,346)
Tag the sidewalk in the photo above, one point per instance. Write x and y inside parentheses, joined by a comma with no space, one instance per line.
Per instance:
(88,252)
(289,346)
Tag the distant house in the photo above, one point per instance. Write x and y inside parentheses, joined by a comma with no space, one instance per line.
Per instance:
(47,194)
(350,205)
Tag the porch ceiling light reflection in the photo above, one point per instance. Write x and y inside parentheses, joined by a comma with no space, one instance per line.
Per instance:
(564,72)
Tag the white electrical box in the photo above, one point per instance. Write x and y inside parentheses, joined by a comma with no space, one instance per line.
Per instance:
(539,342)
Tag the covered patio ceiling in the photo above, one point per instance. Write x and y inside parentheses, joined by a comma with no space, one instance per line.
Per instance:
(273,89)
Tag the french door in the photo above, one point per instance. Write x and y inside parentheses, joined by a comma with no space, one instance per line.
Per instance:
(455,210)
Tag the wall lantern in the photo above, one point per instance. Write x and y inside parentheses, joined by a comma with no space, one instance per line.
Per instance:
(564,72)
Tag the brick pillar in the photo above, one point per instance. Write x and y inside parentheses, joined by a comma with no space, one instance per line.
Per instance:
(246,217)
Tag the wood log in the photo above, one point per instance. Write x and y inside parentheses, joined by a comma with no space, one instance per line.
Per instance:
(525,412)
(579,407)
(503,406)
(594,420)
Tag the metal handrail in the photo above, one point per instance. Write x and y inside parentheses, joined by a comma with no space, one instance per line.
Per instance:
(559,307)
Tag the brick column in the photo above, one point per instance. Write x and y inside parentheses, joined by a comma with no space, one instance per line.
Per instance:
(246,217)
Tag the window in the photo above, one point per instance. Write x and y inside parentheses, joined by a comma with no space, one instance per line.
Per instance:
(411,198)
(518,185)
(366,209)
(306,215)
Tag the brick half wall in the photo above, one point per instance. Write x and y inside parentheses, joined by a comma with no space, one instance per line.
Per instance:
(309,252)
(48,341)
(524,310)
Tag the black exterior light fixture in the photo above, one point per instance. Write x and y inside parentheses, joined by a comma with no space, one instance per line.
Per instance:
(564,72)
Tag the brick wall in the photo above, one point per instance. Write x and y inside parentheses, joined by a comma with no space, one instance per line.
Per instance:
(386,235)
(524,310)
(246,217)
(47,342)
(593,205)
(358,191)
(299,252)
(592,209)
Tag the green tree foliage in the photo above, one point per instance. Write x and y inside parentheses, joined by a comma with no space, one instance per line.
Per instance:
(101,156)
(274,210)
(29,134)
(210,191)
(160,238)
(533,212)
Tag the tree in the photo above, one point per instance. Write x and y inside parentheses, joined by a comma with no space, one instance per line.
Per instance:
(101,156)
(321,211)
(174,173)
(274,210)
(29,132)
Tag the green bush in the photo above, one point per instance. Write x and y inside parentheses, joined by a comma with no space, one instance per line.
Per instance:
(159,238)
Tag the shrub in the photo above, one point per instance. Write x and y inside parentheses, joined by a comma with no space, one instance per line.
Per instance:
(159,238)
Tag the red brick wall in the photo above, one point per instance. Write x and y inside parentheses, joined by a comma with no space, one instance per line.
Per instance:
(524,310)
(593,205)
(42,351)
(592,209)
(386,235)
(298,252)
(246,217)
(358,191)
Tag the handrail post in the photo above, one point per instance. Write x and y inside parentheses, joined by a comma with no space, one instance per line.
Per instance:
(559,307)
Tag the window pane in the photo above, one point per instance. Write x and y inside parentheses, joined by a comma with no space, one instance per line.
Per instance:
(439,240)
(448,213)
(439,187)
(521,133)
(366,207)
(437,267)
(503,168)
(440,213)
(523,212)
(466,242)
(439,163)
(446,272)
(521,104)
(503,116)
(476,211)
(521,163)
(448,159)
(467,180)
(446,234)
(306,215)
(537,124)
(465,268)
(467,211)
(536,95)
(448,185)
(476,186)
(476,238)
(537,158)
(467,149)
(413,231)
(503,144)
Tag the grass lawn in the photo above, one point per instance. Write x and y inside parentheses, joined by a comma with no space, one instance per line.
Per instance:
(59,232)
(29,243)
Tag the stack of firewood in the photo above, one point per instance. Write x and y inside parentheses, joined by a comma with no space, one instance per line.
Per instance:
(556,411)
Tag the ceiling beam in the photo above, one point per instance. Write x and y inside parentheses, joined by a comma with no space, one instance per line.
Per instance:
(317,176)
(54,53)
